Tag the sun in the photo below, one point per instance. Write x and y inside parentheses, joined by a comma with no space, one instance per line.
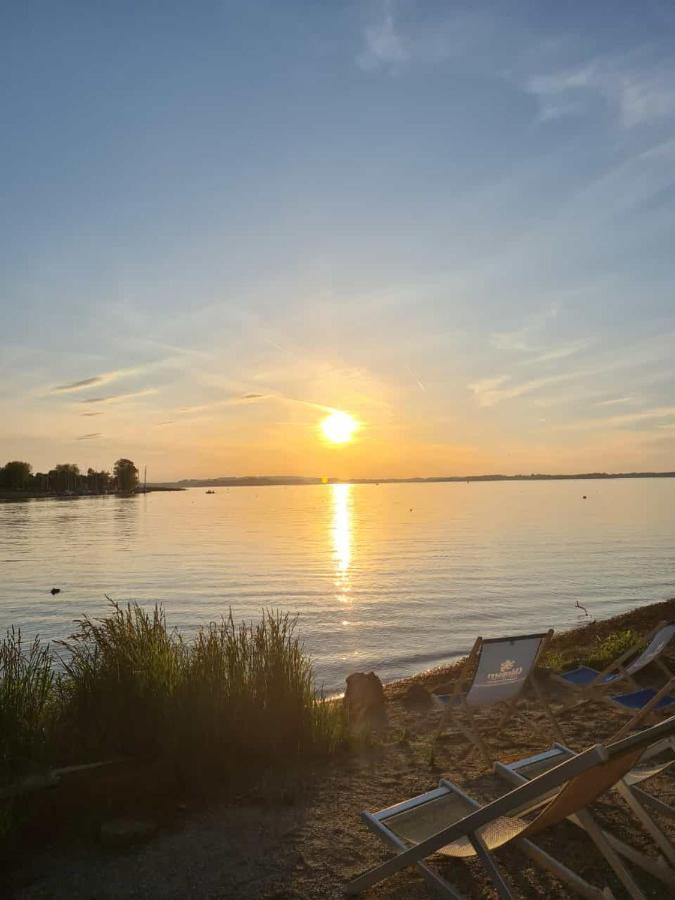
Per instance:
(339,427)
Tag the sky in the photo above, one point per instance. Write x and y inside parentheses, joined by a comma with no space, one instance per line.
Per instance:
(219,221)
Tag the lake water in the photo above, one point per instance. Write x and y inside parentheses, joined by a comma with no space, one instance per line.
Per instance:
(395,578)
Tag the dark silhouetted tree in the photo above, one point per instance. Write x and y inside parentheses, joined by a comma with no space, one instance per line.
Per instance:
(64,477)
(98,482)
(15,475)
(40,482)
(125,474)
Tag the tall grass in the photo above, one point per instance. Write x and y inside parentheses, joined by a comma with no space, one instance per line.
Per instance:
(26,701)
(121,675)
(249,694)
(236,695)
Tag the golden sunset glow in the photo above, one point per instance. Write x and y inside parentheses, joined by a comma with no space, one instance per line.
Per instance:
(339,427)
(342,528)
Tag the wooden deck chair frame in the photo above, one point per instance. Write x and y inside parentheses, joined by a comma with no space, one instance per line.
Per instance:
(659,868)
(617,666)
(637,777)
(575,784)
(464,684)
(544,860)
(648,711)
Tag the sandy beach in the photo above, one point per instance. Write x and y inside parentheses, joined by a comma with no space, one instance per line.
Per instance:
(297,834)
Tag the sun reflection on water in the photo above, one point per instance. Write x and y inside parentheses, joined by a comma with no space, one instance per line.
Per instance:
(342,538)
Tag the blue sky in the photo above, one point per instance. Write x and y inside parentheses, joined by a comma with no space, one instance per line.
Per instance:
(453,221)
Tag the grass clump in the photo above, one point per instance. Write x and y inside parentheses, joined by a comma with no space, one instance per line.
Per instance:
(235,696)
(598,654)
(26,701)
(121,677)
(248,694)
(613,646)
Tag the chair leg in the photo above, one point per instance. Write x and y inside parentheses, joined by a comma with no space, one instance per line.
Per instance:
(595,833)
(654,803)
(476,737)
(435,881)
(549,712)
(562,873)
(446,718)
(647,710)
(646,821)
(495,875)
(507,714)
(657,867)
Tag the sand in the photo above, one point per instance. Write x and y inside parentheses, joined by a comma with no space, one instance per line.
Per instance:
(297,833)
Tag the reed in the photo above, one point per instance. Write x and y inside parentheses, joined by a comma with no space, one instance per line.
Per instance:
(127,683)
(120,678)
(27,698)
(249,694)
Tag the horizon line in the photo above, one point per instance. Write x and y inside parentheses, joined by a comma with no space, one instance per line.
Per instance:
(260,480)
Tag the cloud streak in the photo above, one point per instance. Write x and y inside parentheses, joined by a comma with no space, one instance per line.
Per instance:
(116,398)
(635,93)
(384,46)
(646,415)
(96,380)
(79,385)
(491,391)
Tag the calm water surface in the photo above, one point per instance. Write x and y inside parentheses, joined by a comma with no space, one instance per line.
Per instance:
(396,578)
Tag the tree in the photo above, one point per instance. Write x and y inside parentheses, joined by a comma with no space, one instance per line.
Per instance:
(125,474)
(97,482)
(64,477)
(40,482)
(15,475)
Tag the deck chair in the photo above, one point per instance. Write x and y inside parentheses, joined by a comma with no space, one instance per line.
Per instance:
(587,680)
(448,821)
(497,671)
(656,760)
(644,704)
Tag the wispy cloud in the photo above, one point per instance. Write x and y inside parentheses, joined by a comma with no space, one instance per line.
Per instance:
(526,338)
(563,351)
(635,92)
(615,401)
(225,401)
(116,398)
(95,380)
(627,419)
(79,385)
(384,45)
(640,360)
(252,398)
(529,340)
(491,391)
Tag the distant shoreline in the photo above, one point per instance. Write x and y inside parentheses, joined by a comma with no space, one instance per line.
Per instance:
(291,480)
(298,481)
(52,495)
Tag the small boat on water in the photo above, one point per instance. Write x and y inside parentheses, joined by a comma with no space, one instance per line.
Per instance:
(210,492)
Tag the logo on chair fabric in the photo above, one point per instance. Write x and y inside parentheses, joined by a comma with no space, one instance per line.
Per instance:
(508,671)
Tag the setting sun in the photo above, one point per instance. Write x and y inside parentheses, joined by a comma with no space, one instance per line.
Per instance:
(339,427)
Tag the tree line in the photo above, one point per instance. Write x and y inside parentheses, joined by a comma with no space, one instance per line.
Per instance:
(66,478)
